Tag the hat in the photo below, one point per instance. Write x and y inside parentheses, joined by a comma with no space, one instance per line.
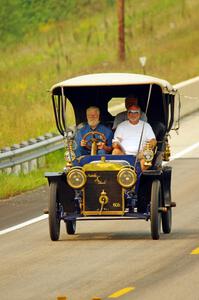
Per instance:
(134,108)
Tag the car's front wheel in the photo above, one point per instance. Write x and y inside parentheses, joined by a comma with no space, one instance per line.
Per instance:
(54,218)
(155,214)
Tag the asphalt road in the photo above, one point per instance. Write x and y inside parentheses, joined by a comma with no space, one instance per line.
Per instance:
(108,259)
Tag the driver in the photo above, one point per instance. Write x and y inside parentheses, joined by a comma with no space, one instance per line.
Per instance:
(102,134)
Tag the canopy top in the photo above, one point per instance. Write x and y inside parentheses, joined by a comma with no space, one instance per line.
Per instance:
(113,79)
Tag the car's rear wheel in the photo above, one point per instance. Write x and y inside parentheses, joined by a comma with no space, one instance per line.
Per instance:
(54,218)
(154,210)
(71,226)
(167,221)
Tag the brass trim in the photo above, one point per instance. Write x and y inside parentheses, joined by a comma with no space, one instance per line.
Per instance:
(123,200)
(83,200)
(148,155)
(167,152)
(102,166)
(101,213)
(103,198)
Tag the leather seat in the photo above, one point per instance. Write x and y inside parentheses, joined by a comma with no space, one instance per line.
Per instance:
(159,131)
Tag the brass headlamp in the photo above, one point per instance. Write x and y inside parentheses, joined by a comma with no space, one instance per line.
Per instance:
(148,155)
(70,145)
(76,178)
(127,177)
(167,152)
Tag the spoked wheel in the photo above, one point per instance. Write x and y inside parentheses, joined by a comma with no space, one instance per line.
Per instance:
(54,219)
(71,226)
(155,214)
(167,220)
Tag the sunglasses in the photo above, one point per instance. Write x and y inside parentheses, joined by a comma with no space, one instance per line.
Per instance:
(133,111)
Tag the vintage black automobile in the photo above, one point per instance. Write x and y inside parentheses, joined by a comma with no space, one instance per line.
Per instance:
(100,187)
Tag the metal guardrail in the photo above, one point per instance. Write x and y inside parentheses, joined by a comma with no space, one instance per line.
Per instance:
(29,155)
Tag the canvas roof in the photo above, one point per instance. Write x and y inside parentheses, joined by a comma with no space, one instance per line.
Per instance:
(114,79)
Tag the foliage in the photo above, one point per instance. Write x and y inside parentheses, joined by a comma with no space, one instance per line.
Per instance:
(22,17)
(19,17)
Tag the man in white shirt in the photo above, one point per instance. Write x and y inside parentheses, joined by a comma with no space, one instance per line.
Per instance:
(122,116)
(127,137)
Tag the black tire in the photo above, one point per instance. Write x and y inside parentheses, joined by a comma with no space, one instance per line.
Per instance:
(167,221)
(54,219)
(154,210)
(71,226)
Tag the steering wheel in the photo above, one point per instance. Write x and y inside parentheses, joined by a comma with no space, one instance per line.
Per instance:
(93,138)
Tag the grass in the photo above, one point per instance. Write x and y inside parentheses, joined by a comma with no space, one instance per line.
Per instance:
(166,32)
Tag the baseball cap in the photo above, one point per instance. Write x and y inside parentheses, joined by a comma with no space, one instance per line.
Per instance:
(134,109)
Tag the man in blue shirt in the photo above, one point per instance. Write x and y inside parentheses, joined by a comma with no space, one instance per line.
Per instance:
(101,134)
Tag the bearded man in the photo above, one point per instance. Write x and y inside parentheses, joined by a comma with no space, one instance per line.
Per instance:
(104,141)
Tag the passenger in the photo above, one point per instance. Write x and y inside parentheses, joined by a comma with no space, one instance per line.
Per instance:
(122,116)
(93,124)
(128,134)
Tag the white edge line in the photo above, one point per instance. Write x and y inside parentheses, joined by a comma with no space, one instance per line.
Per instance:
(24,224)
(43,217)
(185,151)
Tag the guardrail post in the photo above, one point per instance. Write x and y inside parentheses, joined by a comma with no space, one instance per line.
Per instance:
(41,161)
(32,164)
(17,168)
(24,165)
(6,170)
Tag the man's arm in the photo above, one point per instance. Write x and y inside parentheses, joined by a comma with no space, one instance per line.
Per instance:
(108,145)
(117,141)
(152,143)
(151,139)
(102,145)
(78,139)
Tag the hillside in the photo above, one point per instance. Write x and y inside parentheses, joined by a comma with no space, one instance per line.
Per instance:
(43,42)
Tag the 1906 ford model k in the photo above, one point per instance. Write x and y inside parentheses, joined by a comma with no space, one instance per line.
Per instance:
(112,187)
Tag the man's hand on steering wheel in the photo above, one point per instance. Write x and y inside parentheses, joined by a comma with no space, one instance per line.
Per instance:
(100,141)
(100,145)
(83,143)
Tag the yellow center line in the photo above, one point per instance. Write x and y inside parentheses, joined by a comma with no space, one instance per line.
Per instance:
(195,251)
(121,292)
